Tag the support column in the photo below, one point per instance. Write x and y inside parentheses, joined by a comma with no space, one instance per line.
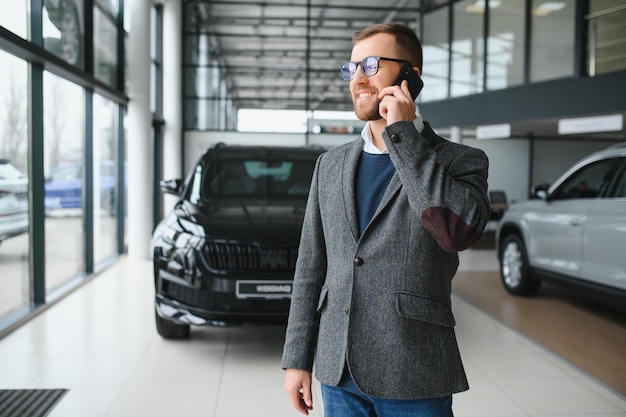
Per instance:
(172,96)
(455,134)
(139,132)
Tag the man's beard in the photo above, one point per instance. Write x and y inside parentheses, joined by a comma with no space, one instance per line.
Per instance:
(367,114)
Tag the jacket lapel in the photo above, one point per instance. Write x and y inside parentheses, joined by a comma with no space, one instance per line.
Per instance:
(350,163)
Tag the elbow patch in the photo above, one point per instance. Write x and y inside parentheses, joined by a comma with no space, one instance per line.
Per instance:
(448,229)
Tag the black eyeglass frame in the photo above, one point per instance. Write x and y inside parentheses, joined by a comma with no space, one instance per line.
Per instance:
(345,67)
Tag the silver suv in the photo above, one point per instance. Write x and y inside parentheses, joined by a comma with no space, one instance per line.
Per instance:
(13,201)
(573,232)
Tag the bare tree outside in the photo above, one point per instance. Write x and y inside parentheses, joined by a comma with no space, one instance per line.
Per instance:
(55,116)
(15,126)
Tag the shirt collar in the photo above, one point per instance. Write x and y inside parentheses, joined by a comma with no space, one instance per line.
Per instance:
(366,134)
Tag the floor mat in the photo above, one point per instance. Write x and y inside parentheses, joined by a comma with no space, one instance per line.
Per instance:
(28,402)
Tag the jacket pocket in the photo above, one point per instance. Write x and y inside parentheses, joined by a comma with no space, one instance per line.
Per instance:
(322,300)
(418,307)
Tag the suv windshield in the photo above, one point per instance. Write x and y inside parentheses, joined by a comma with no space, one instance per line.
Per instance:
(590,182)
(271,177)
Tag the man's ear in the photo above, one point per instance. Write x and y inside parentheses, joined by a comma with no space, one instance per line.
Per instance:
(418,71)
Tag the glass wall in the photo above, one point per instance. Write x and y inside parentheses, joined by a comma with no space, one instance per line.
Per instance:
(467,71)
(105,178)
(206,101)
(553,39)
(59,165)
(606,36)
(436,51)
(64,154)
(505,45)
(470,47)
(105,47)
(200,81)
(15,287)
(64,30)
(156,58)
(14,17)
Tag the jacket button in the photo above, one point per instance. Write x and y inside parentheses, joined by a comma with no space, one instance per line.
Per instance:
(358,261)
(395,138)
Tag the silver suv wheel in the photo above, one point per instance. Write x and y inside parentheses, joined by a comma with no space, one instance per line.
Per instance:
(514,267)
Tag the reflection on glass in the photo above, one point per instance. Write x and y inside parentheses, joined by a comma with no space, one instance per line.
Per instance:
(14,17)
(63,156)
(505,45)
(606,37)
(436,56)
(14,237)
(105,49)
(110,6)
(126,60)
(155,58)
(467,50)
(63,29)
(105,127)
(552,47)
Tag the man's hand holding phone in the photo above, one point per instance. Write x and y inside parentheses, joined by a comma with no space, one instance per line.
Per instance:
(398,100)
(413,79)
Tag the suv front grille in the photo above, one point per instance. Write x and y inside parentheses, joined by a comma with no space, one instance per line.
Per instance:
(221,301)
(231,256)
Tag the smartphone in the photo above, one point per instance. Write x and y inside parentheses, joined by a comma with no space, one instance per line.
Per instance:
(415,82)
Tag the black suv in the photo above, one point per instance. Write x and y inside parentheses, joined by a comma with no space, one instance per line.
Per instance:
(227,251)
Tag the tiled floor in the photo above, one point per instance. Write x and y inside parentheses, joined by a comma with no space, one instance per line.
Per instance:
(101,344)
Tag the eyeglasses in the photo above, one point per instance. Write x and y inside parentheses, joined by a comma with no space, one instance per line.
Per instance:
(369,66)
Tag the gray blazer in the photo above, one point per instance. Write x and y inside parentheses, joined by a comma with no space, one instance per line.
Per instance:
(380,302)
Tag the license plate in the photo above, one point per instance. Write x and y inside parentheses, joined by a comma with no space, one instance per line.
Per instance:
(264,289)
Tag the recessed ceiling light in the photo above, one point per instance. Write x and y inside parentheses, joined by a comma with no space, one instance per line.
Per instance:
(479,6)
(548,7)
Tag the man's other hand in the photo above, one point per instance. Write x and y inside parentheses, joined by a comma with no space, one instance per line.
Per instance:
(298,388)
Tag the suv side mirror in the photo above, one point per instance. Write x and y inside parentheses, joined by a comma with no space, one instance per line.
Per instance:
(171,186)
(540,191)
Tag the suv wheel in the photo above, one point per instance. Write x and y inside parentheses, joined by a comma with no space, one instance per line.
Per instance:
(170,330)
(514,267)
(166,328)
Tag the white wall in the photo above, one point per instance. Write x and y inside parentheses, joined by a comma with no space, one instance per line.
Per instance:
(551,158)
(508,165)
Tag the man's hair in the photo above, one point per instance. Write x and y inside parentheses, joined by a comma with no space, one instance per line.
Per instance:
(408,45)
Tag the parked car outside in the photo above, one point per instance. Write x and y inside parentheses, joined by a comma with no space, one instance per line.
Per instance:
(226,253)
(573,232)
(64,187)
(13,201)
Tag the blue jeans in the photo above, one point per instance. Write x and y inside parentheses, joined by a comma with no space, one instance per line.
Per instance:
(346,400)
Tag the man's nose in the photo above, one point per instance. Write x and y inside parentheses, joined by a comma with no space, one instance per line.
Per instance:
(358,74)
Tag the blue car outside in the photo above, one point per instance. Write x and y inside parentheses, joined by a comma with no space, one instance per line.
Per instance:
(64,187)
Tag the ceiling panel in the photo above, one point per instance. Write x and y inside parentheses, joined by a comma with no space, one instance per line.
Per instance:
(286,54)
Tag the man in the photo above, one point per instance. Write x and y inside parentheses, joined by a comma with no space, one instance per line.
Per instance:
(385,219)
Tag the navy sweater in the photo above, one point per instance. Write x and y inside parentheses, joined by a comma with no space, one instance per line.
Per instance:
(372,178)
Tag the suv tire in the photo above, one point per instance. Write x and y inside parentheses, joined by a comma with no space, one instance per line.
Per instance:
(167,328)
(514,267)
